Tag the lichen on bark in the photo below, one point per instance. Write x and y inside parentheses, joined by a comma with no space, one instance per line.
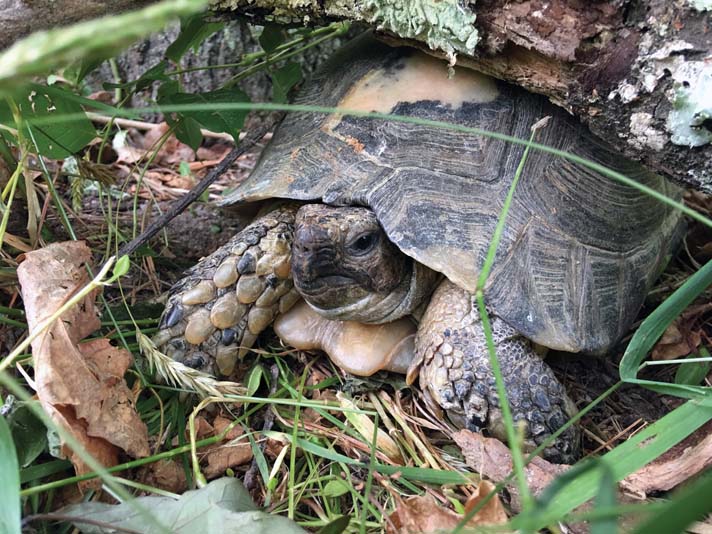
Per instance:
(443,24)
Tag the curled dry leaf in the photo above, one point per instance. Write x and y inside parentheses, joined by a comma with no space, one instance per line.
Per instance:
(676,341)
(172,151)
(491,458)
(81,386)
(231,452)
(682,462)
(423,515)
(168,475)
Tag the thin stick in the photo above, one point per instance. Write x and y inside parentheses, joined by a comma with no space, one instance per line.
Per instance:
(146,126)
(191,196)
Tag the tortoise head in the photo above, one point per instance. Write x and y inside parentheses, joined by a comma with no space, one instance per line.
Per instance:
(346,268)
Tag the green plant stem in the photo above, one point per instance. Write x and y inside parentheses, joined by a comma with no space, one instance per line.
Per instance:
(15,312)
(249,59)
(268,106)
(293,449)
(652,363)
(52,190)
(512,438)
(120,467)
(271,60)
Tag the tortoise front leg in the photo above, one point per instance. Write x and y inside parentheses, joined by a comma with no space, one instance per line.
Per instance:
(215,313)
(455,370)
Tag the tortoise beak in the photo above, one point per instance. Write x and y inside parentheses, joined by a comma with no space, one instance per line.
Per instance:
(313,257)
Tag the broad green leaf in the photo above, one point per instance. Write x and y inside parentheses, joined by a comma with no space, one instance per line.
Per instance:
(187,130)
(78,70)
(283,79)
(219,120)
(166,89)
(184,168)
(653,327)
(154,74)
(193,31)
(6,114)
(123,264)
(55,140)
(337,526)
(271,37)
(10,486)
(28,433)
(335,488)
(6,139)
(693,373)
(222,506)
(254,379)
(44,51)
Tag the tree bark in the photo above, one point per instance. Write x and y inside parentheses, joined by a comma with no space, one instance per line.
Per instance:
(21,17)
(637,72)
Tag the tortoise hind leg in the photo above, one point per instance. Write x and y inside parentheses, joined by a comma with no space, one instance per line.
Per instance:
(455,370)
(215,313)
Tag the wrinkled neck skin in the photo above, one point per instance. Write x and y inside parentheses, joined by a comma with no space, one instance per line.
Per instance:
(346,268)
(378,308)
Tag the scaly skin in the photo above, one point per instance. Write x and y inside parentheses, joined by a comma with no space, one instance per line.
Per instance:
(215,313)
(452,350)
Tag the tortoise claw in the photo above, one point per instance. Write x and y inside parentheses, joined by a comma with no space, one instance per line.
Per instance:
(457,373)
(223,303)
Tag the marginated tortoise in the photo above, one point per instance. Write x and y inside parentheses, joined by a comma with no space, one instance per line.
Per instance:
(389,221)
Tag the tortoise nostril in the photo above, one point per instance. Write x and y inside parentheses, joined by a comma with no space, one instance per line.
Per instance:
(309,239)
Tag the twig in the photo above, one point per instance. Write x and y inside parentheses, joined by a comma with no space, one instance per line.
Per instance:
(191,196)
(146,126)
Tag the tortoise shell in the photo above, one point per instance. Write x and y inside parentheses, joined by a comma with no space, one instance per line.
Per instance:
(579,251)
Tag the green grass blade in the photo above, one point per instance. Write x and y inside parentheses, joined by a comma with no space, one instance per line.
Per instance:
(133,113)
(10,487)
(685,507)
(653,327)
(420,474)
(99,38)
(517,456)
(625,459)
(606,498)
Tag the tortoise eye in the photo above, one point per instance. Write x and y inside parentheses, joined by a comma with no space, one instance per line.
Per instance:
(363,243)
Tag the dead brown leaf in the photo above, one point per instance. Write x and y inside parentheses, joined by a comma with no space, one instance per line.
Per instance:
(126,152)
(81,386)
(676,341)
(682,462)
(231,452)
(165,474)
(172,151)
(491,458)
(424,515)
(214,152)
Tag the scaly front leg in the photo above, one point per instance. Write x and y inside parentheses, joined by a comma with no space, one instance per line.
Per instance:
(455,369)
(215,313)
